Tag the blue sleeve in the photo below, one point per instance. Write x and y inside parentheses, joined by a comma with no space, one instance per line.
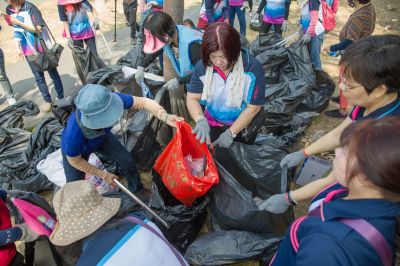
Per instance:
(3,194)
(127,100)
(321,249)
(196,85)
(74,138)
(10,235)
(61,13)
(340,46)
(258,95)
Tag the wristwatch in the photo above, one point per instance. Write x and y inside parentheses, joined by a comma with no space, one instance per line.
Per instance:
(233,134)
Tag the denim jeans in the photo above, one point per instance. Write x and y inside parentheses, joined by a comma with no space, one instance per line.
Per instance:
(111,149)
(241,17)
(41,82)
(315,51)
(4,82)
(91,43)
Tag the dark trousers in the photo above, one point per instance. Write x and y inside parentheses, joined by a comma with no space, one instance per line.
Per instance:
(91,43)
(130,15)
(265,27)
(4,82)
(111,149)
(41,82)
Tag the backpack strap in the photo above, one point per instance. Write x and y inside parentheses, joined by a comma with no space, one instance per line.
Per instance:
(373,237)
(154,231)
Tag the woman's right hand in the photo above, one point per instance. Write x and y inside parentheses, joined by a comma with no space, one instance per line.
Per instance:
(109,178)
(173,119)
(202,131)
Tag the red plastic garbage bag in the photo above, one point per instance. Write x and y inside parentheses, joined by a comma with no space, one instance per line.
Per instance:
(176,176)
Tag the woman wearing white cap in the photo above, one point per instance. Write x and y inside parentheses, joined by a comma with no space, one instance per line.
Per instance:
(88,130)
(180,43)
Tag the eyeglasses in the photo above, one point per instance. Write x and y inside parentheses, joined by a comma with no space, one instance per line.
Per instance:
(344,85)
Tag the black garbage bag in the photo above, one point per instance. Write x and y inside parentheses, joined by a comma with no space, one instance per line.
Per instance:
(85,62)
(300,61)
(155,134)
(107,75)
(223,247)
(318,98)
(285,97)
(273,57)
(21,151)
(185,221)
(264,42)
(154,68)
(12,116)
(233,206)
(130,59)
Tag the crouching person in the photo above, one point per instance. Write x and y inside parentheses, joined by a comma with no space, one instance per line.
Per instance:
(99,233)
(88,130)
(353,221)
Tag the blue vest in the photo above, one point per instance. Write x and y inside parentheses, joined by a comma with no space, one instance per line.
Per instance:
(186,36)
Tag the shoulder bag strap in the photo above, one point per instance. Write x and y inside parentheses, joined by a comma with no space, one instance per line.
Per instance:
(373,237)
(154,231)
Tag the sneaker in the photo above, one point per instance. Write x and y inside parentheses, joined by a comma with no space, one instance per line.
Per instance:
(46,107)
(11,101)
(335,114)
(335,99)
(133,41)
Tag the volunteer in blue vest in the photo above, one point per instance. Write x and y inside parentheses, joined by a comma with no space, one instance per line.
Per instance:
(88,130)
(371,83)
(106,231)
(181,44)
(312,29)
(276,13)
(354,221)
(229,83)
(213,11)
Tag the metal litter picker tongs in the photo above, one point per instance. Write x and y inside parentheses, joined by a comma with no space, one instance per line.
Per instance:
(141,203)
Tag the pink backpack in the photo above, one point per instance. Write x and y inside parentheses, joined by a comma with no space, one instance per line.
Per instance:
(35,217)
(329,20)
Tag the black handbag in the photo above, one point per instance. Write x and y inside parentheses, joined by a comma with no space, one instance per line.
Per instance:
(49,58)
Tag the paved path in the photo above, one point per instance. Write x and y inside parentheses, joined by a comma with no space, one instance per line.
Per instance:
(24,84)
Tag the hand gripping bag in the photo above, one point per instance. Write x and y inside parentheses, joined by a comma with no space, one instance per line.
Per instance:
(176,176)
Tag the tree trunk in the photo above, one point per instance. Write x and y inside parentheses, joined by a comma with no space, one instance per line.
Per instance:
(175,8)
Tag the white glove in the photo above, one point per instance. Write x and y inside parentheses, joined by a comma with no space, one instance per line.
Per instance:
(139,75)
(172,84)
(285,25)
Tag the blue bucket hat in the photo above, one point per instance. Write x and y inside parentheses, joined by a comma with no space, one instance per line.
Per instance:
(99,107)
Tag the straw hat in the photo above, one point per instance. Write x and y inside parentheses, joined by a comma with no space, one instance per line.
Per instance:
(80,210)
